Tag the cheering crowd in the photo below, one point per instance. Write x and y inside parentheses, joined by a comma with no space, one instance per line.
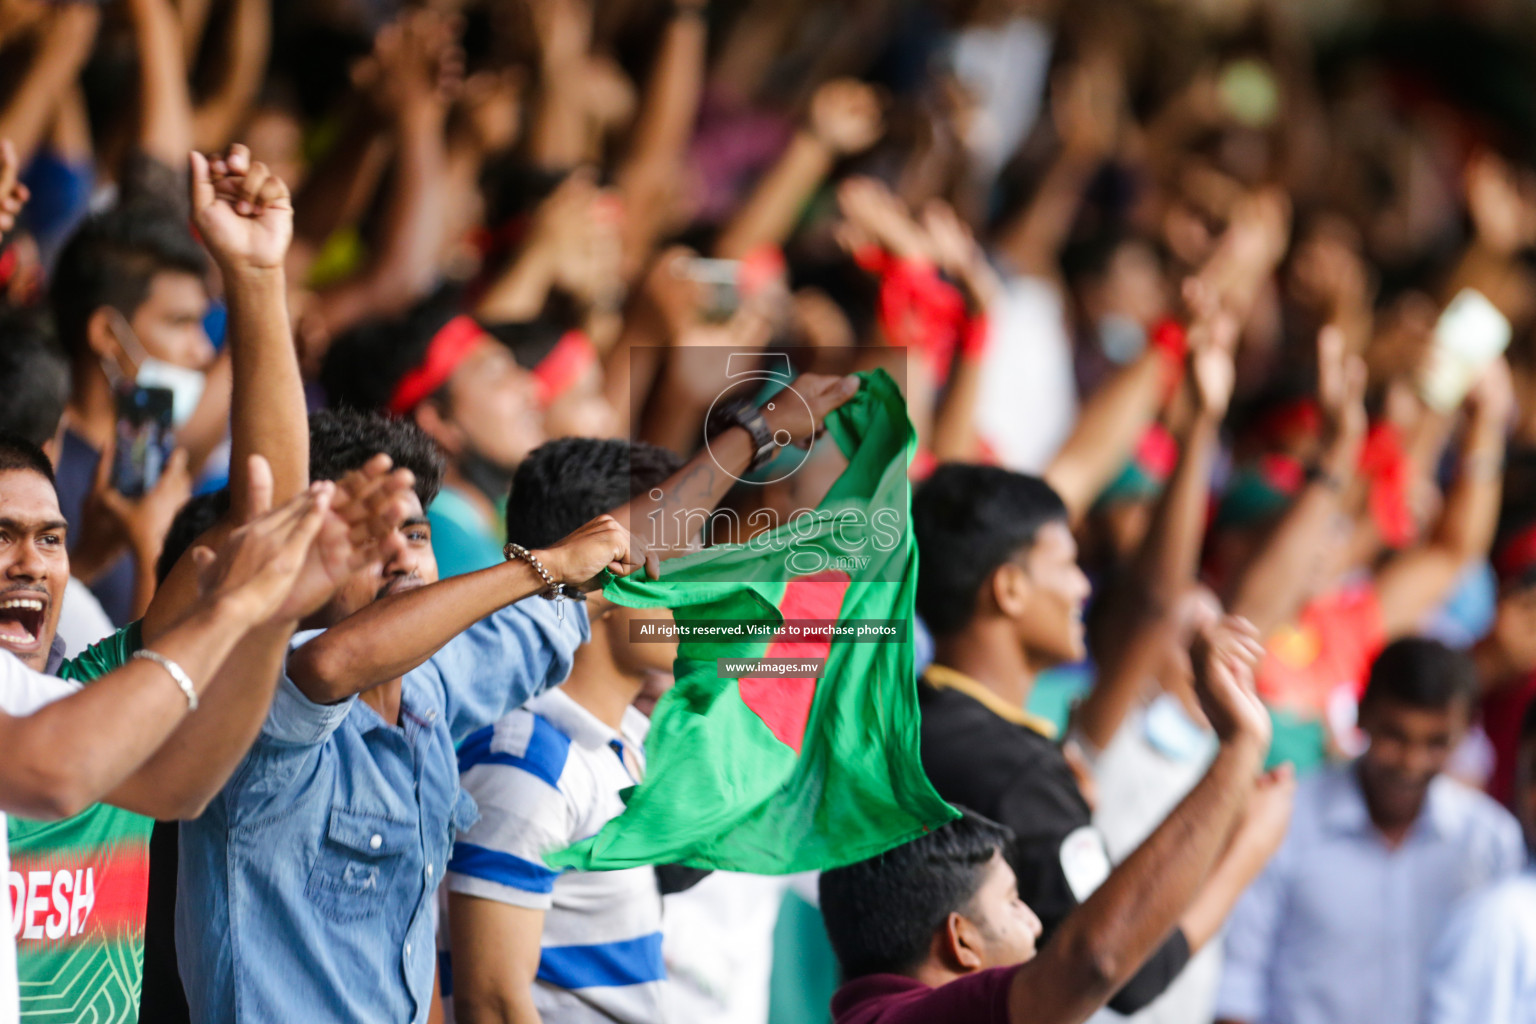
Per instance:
(363,384)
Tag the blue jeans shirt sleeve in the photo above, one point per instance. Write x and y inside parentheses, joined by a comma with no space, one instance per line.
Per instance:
(504,659)
(296,720)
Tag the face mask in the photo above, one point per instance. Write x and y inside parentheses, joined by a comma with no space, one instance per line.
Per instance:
(1122,339)
(185,385)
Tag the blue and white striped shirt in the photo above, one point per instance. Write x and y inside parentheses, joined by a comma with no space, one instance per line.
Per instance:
(545,776)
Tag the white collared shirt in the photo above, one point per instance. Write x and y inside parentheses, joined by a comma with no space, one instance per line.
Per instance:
(1339,927)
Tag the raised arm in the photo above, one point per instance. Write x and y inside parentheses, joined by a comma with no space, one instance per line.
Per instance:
(62,50)
(1166,564)
(844,119)
(1107,429)
(1086,113)
(165,100)
(1271,588)
(242,62)
(1103,942)
(75,750)
(1414,582)
(244,217)
(417,55)
(394,635)
(563,30)
(667,115)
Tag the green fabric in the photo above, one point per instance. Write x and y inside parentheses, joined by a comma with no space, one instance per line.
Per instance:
(83,888)
(721,789)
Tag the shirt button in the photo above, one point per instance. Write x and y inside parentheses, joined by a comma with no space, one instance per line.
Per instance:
(407,949)
(429,870)
(375,842)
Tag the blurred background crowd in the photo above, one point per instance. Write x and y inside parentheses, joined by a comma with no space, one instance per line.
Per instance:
(1089,238)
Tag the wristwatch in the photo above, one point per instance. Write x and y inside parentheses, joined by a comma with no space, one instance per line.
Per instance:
(750,418)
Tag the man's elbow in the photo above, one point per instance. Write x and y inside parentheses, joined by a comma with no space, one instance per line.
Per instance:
(1094,966)
(51,794)
(320,675)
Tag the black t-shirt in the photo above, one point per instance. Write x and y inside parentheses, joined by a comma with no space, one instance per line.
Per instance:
(1020,778)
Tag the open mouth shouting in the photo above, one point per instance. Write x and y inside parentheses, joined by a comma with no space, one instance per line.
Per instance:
(22,614)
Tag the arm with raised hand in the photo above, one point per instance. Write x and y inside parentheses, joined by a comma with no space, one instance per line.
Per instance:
(844,118)
(958,255)
(61,52)
(394,635)
(1106,432)
(1086,114)
(246,44)
(563,30)
(1102,943)
(419,59)
(667,115)
(244,216)
(1168,559)
(76,750)
(165,99)
(1271,588)
(1414,582)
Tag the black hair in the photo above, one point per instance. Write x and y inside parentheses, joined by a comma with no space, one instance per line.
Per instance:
(565,483)
(969,520)
(881,913)
(34,376)
(199,515)
(363,366)
(341,440)
(19,453)
(112,260)
(1422,673)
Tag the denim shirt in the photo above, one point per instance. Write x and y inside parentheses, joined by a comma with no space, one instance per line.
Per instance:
(307,888)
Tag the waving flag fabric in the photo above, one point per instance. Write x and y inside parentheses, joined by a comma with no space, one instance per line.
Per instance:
(758,773)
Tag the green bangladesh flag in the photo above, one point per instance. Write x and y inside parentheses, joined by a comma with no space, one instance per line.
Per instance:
(775,775)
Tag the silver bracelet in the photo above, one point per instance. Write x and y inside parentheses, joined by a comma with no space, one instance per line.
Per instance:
(177,674)
(515,550)
(552,591)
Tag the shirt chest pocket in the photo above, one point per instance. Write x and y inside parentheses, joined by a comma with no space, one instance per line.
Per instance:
(359,860)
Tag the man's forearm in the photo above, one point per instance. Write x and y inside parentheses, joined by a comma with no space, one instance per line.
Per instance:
(1106,433)
(192,765)
(1271,587)
(769,214)
(72,752)
(267,413)
(396,634)
(1103,942)
(669,525)
(1238,867)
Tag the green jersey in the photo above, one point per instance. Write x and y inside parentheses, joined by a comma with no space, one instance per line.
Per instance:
(78,889)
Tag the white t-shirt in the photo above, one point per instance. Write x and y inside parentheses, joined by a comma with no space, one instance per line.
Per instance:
(718,945)
(1028,398)
(22,691)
